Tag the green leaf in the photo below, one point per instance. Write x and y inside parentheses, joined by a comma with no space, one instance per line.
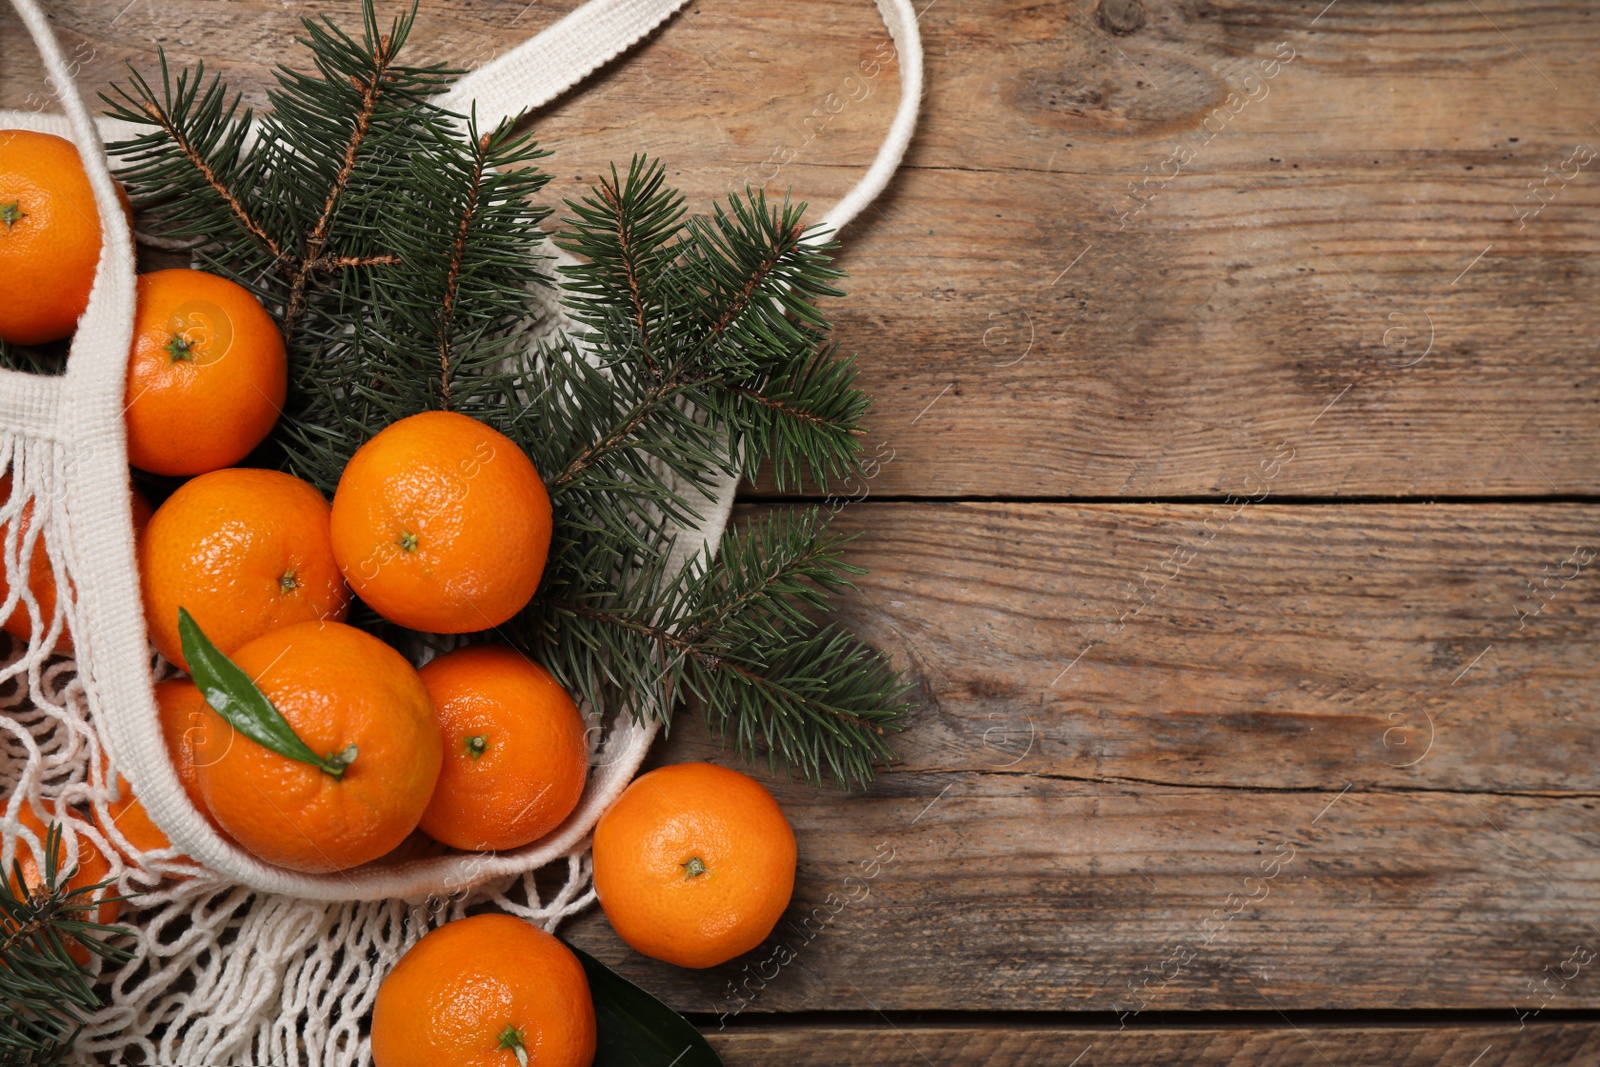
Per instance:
(232,694)
(636,1029)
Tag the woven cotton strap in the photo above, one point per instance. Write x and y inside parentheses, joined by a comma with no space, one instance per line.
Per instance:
(902,24)
(538,71)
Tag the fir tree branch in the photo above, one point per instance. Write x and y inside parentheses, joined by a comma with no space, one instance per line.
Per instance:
(780,406)
(316,241)
(404,245)
(26,931)
(737,634)
(628,262)
(761,272)
(688,647)
(45,993)
(775,690)
(164,120)
(798,555)
(620,435)
(333,263)
(453,278)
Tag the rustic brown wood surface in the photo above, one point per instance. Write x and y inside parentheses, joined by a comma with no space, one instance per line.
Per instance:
(1087,818)
(1057,1046)
(1325,230)
(1172,749)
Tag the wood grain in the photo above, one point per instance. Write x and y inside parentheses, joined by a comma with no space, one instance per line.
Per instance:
(1022,892)
(1075,845)
(910,1045)
(1124,711)
(1327,228)
(1248,645)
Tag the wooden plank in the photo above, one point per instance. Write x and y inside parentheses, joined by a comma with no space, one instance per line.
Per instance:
(997,891)
(913,1045)
(1327,229)
(1107,843)
(1396,646)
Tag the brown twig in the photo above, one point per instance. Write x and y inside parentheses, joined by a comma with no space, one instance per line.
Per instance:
(791,238)
(778,405)
(619,437)
(198,161)
(457,254)
(317,239)
(330,263)
(23,933)
(614,198)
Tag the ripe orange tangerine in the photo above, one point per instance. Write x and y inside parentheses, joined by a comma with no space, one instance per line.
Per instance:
(245,551)
(49,237)
(41,575)
(485,991)
(207,373)
(441,523)
(694,864)
(181,709)
(515,750)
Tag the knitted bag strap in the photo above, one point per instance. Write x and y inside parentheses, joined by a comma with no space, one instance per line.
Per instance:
(541,69)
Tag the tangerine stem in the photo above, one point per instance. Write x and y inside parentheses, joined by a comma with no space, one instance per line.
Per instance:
(12,212)
(695,867)
(477,744)
(178,348)
(336,763)
(511,1038)
(289,582)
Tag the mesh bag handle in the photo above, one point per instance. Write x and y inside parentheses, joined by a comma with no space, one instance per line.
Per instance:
(549,64)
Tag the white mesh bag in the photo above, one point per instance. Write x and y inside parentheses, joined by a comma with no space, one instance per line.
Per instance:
(241,961)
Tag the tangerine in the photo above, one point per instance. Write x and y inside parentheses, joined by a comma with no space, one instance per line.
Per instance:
(49,237)
(207,373)
(245,551)
(515,750)
(694,864)
(346,694)
(180,708)
(441,523)
(485,991)
(41,575)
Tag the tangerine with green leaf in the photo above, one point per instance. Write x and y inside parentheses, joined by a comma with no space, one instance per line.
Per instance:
(329,751)
(207,373)
(485,991)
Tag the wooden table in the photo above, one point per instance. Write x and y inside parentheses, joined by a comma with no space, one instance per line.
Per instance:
(1235,515)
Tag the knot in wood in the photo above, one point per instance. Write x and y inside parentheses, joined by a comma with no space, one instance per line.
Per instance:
(1122,17)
